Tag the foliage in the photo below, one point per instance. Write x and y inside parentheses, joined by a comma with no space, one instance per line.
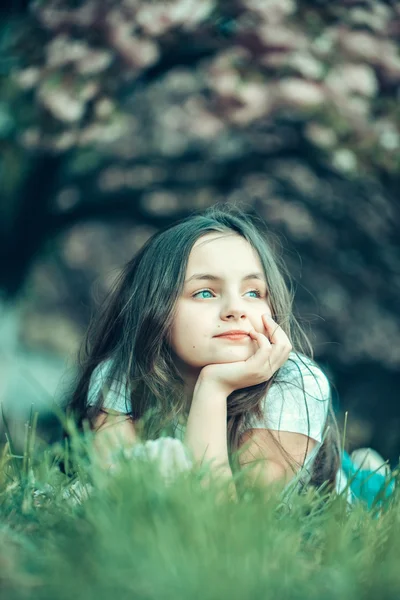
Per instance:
(210,68)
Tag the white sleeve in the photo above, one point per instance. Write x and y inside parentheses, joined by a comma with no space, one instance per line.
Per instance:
(115,397)
(287,407)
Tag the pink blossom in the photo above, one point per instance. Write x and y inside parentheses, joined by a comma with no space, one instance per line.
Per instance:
(352,78)
(299,93)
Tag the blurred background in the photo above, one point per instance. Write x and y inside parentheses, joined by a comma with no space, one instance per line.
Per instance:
(118,118)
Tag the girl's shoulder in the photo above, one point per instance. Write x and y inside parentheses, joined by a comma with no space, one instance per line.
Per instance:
(301,370)
(298,399)
(115,396)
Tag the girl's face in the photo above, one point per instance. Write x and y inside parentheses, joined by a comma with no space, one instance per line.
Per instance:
(224,289)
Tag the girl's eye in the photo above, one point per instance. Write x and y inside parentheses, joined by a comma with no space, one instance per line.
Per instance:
(201,292)
(257,292)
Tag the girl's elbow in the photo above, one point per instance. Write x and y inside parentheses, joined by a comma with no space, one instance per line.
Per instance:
(112,433)
(269,473)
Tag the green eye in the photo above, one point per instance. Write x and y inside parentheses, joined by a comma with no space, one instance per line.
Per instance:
(257,292)
(202,292)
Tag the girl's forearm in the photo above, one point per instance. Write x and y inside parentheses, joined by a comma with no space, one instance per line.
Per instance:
(206,433)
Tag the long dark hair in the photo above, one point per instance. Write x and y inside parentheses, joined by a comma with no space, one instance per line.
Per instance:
(134,323)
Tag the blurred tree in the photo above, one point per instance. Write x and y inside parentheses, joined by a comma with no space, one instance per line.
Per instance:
(117,109)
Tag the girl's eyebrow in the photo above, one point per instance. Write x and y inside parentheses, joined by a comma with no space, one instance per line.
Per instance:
(210,277)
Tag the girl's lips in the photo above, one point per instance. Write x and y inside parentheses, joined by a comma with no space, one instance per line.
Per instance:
(234,336)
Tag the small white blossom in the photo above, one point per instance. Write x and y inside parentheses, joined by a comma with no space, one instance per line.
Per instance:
(300,93)
(77,492)
(62,103)
(28,78)
(168,453)
(345,160)
(320,135)
(306,64)
(352,78)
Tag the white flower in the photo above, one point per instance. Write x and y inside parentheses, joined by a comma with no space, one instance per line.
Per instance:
(345,160)
(321,135)
(63,104)
(352,78)
(77,492)
(306,64)
(169,453)
(300,93)
(28,78)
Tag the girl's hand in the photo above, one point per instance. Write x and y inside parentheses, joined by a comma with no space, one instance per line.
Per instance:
(273,350)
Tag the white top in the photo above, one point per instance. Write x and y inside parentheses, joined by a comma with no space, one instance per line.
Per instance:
(297,401)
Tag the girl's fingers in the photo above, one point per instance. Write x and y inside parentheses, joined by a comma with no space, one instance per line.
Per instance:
(276,333)
(266,359)
(260,338)
(264,346)
(269,356)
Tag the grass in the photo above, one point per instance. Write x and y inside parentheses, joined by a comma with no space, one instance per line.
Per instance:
(135,536)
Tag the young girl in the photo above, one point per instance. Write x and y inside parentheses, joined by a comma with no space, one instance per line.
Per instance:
(198,339)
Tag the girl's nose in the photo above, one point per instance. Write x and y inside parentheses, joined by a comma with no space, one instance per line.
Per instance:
(234,309)
(236,314)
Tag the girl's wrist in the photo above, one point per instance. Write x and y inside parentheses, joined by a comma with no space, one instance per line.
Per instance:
(214,388)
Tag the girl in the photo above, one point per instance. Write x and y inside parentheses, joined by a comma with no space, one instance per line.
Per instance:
(198,339)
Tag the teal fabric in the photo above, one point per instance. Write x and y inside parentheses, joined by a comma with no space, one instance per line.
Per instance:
(367,486)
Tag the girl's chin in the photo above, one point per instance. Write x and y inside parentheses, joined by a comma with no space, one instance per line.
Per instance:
(234,354)
(229,355)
